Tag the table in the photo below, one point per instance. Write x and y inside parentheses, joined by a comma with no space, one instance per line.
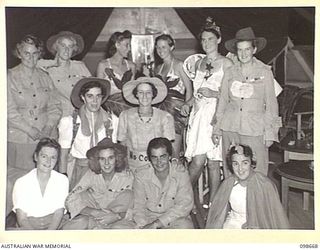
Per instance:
(300,150)
(295,174)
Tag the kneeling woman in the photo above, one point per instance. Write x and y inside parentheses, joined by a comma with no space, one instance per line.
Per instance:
(39,196)
(104,194)
(247,199)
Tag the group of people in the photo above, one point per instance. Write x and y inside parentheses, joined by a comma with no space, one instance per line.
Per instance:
(109,150)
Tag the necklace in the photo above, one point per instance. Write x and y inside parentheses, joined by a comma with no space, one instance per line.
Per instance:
(140,117)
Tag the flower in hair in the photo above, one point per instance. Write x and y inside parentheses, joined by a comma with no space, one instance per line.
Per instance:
(211,24)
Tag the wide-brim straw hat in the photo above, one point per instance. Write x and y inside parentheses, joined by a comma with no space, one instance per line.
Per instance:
(105,144)
(245,34)
(128,88)
(54,38)
(75,94)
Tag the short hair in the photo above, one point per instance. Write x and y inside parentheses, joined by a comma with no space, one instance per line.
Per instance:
(154,90)
(50,143)
(71,38)
(167,38)
(31,40)
(115,38)
(121,160)
(159,142)
(247,152)
(89,85)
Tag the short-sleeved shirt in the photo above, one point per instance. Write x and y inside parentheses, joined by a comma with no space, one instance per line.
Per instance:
(137,134)
(27,194)
(64,80)
(81,143)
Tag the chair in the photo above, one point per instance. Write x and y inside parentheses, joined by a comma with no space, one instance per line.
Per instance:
(296,134)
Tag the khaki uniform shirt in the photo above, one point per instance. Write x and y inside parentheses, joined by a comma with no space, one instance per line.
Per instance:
(167,203)
(32,102)
(248,106)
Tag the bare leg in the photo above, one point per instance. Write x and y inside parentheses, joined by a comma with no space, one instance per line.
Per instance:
(195,167)
(214,177)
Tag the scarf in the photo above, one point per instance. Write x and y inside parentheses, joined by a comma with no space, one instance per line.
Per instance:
(97,121)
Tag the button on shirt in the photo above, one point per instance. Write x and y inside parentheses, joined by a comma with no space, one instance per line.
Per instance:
(167,203)
(32,102)
(102,193)
(64,80)
(248,106)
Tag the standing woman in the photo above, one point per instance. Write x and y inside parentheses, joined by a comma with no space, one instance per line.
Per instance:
(117,68)
(139,125)
(178,83)
(33,109)
(65,72)
(209,73)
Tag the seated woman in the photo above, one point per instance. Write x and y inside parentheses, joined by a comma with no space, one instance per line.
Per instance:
(39,196)
(104,194)
(65,72)
(247,199)
(139,125)
(82,131)
(117,69)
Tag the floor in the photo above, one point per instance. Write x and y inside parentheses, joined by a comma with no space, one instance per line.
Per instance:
(298,218)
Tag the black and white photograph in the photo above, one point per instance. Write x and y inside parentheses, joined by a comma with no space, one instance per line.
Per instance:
(151,118)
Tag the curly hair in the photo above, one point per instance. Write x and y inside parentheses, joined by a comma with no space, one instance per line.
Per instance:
(116,37)
(31,40)
(247,152)
(50,143)
(121,161)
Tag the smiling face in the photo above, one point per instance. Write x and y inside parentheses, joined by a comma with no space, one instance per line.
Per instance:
(29,55)
(107,160)
(92,99)
(160,159)
(241,166)
(245,51)
(144,94)
(123,47)
(46,159)
(163,49)
(209,42)
(65,48)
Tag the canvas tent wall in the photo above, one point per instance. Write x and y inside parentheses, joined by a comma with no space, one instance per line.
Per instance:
(276,24)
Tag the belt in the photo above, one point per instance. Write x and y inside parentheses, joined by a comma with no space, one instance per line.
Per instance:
(138,156)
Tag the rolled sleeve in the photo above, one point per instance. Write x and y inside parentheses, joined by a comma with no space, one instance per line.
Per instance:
(183,201)
(139,206)
(65,129)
